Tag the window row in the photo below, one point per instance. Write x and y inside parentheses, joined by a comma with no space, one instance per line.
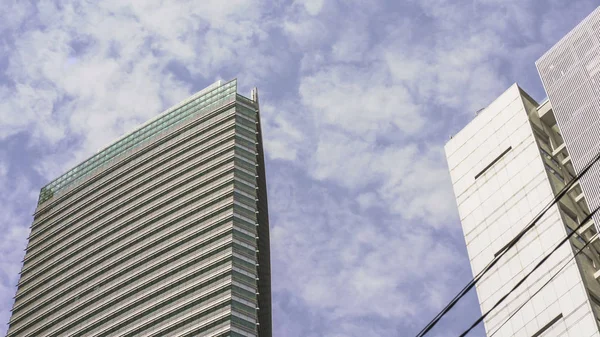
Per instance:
(199,105)
(156,158)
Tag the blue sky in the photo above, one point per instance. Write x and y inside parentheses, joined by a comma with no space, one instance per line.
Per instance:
(357,98)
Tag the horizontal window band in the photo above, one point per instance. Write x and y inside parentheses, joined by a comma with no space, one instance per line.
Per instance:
(243,218)
(137,330)
(251,141)
(131,141)
(244,211)
(244,279)
(84,268)
(245,122)
(249,130)
(250,162)
(132,174)
(162,169)
(246,132)
(243,198)
(212,227)
(225,275)
(246,176)
(181,217)
(235,332)
(198,315)
(214,249)
(252,303)
(190,319)
(245,150)
(242,323)
(246,183)
(246,110)
(244,223)
(226,250)
(242,264)
(213,287)
(150,198)
(203,119)
(248,191)
(91,231)
(246,194)
(244,166)
(245,154)
(246,145)
(245,259)
(251,207)
(218,192)
(170,184)
(547,326)
(245,291)
(493,162)
(238,248)
(243,114)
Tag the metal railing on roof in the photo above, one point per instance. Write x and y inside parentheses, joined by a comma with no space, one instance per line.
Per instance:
(173,115)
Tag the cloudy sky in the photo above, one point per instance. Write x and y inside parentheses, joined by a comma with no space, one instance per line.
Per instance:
(358,98)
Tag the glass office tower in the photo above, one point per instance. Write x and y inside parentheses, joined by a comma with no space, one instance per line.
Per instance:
(163,233)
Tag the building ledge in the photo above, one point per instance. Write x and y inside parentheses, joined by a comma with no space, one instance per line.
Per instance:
(560,149)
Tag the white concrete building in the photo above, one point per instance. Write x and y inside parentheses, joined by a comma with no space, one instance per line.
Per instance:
(507,165)
(570,72)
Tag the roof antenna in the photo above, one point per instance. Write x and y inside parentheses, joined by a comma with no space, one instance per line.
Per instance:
(254,94)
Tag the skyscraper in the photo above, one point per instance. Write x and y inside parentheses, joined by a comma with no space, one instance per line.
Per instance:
(506,166)
(510,162)
(163,233)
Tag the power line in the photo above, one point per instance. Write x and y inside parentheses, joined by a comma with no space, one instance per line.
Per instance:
(587,218)
(545,284)
(500,254)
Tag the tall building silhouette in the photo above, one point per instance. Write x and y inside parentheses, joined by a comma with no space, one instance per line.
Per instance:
(511,161)
(163,233)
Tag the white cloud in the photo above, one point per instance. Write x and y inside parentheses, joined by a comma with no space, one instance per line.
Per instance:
(460,73)
(367,200)
(13,13)
(354,261)
(313,7)
(411,182)
(118,77)
(283,137)
(306,32)
(352,45)
(360,102)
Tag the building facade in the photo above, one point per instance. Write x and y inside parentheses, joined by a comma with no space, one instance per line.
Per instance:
(507,165)
(163,233)
(504,173)
(570,73)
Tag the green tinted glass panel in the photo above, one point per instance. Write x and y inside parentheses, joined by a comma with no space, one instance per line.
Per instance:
(207,101)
